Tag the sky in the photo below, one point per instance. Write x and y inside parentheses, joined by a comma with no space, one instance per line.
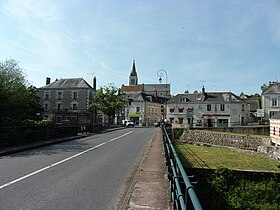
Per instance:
(225,45)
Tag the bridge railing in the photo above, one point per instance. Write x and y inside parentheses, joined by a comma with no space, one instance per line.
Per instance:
(183,195)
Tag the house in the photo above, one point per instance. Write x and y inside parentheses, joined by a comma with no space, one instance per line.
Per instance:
(67,100)
(275,129)
(210,109)
(270,100)
(254,104)
(143,109)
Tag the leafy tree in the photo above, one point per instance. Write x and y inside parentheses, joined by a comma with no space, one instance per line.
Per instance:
(108,100)
(18,101)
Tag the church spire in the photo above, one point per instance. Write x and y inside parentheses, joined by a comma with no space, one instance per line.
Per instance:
(133,79)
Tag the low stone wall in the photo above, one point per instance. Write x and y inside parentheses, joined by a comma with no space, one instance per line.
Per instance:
(271,151)
(255,130)
(228,140)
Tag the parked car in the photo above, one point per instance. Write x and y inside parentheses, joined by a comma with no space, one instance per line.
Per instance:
(129,124)
(157,124)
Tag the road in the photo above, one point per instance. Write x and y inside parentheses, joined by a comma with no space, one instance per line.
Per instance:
(88,173)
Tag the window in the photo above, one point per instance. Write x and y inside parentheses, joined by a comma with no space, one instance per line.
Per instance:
(208,107)
(75,106)
(181,109)
(243,107)
(137,109)
(222,107)
(75,95)
(171,110)
(59,95)
(58,107)
(46,108)
(47,96)
(274,102)
(181,120)
(171,119)
(274,131)
(272,113)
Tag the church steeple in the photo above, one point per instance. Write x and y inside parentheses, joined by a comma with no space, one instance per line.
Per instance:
(133,79)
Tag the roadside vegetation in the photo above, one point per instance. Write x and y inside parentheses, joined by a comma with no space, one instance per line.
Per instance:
(220,186)
(215,157)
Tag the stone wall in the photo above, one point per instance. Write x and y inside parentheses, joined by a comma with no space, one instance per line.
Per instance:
(228,140)
(271,151)
(259,144)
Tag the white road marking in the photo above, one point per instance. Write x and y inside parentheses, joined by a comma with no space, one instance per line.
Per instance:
(59,162)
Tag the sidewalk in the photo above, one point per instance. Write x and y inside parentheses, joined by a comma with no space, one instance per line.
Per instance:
(151,189)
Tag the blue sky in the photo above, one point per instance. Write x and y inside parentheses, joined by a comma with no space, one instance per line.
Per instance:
(232,45)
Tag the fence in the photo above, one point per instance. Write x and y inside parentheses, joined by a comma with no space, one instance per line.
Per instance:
(183,195)
(17,135)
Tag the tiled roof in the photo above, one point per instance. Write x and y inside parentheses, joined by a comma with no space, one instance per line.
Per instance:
(67,83)
(132,88)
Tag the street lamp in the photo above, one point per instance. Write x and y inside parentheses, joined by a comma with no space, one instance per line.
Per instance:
(160,74)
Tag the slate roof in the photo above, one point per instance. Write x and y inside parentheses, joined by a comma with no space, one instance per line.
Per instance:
(211,97)
(133,71)
(67,84)
(275,88)
(144,97)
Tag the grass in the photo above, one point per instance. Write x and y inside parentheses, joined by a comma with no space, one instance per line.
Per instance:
(214,157)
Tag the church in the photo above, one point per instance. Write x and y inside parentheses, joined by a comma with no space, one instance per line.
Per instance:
(161,90)
(145,101)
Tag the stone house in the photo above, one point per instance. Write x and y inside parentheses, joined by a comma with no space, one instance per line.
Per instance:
(211,109)
(275,128)
(143,109)
(67,100)
(270,100)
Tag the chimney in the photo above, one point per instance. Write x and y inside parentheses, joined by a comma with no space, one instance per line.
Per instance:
(155,92)
(48,80)
(203,91)
(94,83)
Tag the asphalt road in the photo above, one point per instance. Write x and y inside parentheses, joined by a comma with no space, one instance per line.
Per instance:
(88,173)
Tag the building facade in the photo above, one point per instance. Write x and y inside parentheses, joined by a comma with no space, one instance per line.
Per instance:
(213,109)
(270,100)
(67,100)
(275,129)
(143,109)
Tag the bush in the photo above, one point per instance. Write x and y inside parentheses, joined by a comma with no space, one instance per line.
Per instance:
(245,194)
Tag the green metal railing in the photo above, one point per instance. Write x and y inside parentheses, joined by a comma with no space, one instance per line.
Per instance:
(183,195)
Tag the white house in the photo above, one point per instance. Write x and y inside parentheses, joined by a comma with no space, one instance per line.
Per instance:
(211,109)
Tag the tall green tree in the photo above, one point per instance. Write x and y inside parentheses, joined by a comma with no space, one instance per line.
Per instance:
(19,101)
(108,100)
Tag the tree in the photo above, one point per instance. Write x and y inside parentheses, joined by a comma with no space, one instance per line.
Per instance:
(108,100)
(18,101)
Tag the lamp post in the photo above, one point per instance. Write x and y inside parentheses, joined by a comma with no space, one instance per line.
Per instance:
(160,75)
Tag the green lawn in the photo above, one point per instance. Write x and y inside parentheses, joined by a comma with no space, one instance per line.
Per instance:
(214,157)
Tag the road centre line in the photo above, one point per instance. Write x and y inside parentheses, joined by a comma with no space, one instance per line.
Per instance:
(59,162)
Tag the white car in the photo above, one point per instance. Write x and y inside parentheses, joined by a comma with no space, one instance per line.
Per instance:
(129,124)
